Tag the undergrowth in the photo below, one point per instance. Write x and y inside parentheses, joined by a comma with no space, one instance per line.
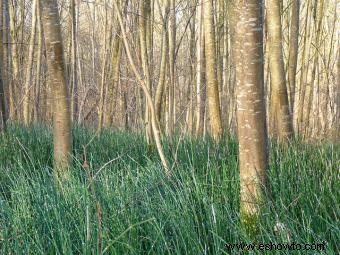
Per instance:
(123,203)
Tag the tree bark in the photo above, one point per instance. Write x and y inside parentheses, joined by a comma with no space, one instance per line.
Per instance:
(61,101)
(251,114)
(3,110)
(211,72)
(277,73)
(74,69)
(172,55)
(293,51)
(27,102)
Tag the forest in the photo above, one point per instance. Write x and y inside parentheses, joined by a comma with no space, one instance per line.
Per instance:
(169,127)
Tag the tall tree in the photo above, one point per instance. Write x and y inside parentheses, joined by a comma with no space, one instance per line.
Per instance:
(172,63)
(293,51)
(3,109)
(143,85)
(12,6)
(74,69)
(163,64)
(251,114)
(61,102)
(277,73)
(200,72)
(144,38)
(211,71)
(27,102)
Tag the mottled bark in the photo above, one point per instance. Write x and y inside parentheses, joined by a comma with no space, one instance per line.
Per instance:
(61,101)
(211,72)
(277,73)
(251,114)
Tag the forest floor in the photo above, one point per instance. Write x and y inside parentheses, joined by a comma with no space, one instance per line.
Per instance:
(121,202)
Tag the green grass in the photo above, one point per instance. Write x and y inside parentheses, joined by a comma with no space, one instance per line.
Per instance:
(141,211)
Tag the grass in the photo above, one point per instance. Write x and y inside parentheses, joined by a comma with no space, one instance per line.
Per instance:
(131,207)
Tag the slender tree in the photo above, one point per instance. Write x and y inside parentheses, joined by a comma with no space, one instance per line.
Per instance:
(251,114)
(200,72)
(28,88)
(61,101)
(163,65)
(3,112)
(172,63)
(144,38)
(293,51)
(74,69)
(211,71)
(279,96)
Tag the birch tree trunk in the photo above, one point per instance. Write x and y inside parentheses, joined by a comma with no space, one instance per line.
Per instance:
(61,101)
(251,114)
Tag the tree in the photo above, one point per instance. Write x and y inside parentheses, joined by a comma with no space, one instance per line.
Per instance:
(143,85)
(28,82)
(211,71)
(74,73)
(61,101)
(200,72)
(251,114)
(3,112)
(293,51)
(172,63)
(144,38)
(277,73)
(163,64)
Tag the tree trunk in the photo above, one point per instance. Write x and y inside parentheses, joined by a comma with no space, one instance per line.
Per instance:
(14,61)
(172,53)
(211,72)
(144,38)
(36,108)
(143,84)
(74,69)
(161,79)
(27,102)
(251,114)
(277,73)
(3,110)
(61,102)
(103,74)
(293,51)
